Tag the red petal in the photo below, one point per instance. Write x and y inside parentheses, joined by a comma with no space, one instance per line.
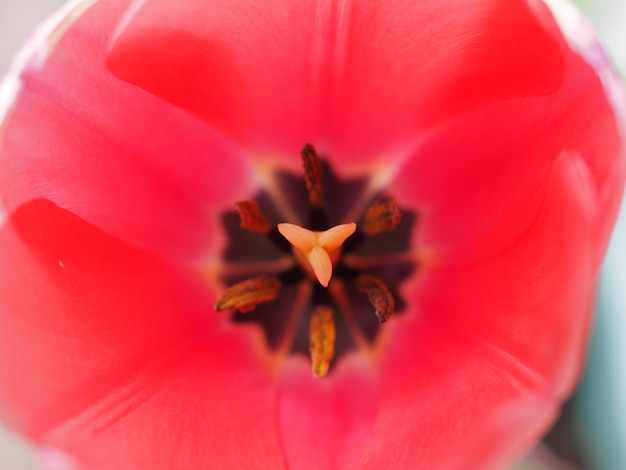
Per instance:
(516,203)
(501,339)
(490,167)
(358,79)
(501,326)
(118,357)
(327,423)
(109,152)
(451,401)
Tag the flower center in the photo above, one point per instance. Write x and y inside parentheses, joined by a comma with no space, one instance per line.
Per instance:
(324,288)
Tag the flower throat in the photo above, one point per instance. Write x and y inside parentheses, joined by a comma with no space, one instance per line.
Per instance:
(322,286)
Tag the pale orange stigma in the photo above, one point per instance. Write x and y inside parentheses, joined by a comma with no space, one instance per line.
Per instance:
(318,247)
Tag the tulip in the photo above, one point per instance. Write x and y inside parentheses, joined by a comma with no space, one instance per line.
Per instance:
(450,173)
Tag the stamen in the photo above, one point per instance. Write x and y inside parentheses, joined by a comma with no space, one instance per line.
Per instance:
(312,175)
(322,340)
(384,214)
(246,295)
(251,217)
(318,247)
(378,295)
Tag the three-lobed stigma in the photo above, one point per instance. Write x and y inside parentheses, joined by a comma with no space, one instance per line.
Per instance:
(319,249)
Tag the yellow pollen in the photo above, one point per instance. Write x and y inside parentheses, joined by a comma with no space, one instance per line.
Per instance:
(246,295)
(322,340)
(318,247)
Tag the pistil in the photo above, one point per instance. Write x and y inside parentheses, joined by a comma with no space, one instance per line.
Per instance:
(318,248)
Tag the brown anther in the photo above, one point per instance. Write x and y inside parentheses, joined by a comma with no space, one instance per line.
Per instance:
(312,175)
(246,295)
(378,295)
(384,214)
(322,340)
(251,217)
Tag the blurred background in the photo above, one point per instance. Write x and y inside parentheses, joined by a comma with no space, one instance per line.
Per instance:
(591,434)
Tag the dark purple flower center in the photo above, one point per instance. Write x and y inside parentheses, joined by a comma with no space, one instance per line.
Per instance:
(365,257)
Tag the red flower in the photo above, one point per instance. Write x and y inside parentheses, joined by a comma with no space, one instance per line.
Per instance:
(132,131)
